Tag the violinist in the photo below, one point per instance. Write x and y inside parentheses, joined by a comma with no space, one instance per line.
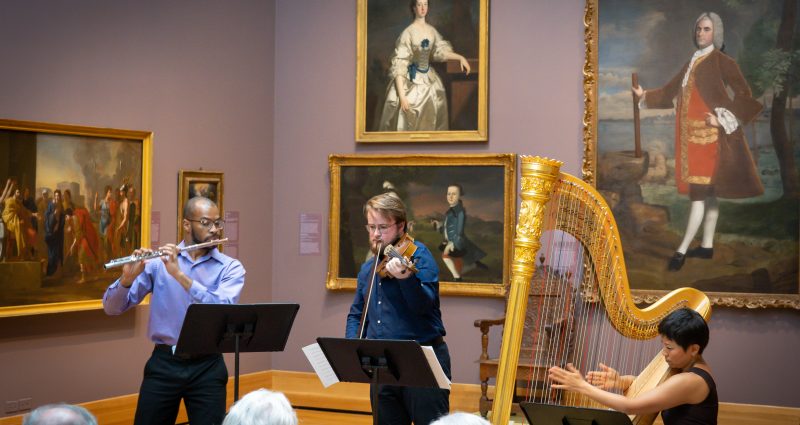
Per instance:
(403,304)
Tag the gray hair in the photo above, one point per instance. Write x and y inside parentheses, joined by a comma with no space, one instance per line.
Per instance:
(262,407)
(461,418)
(59,414)
(719,30)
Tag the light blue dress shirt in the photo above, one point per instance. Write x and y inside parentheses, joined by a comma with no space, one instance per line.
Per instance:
(216,279)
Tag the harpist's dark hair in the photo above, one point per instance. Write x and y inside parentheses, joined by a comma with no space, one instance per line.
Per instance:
(686,327)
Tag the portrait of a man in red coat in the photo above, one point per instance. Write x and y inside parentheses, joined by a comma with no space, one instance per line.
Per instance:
(712,158)
(692,143)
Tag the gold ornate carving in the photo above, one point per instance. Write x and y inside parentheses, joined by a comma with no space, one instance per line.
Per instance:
(588,165)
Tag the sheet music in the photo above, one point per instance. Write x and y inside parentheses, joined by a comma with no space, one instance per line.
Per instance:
(321,365)
(441,378)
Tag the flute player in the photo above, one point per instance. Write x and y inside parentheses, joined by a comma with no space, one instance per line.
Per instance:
(179,279)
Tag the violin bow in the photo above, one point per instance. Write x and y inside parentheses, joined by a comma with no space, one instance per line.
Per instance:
(362,324)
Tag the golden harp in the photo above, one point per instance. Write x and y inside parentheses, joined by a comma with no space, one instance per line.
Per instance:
(594,290)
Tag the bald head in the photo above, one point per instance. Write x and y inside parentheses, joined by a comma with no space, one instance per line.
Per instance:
(59,414)
(194,205)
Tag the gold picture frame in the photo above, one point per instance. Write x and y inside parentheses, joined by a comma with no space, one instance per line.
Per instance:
(422,182)
(191,183)
(65,273)
(755,263)
(465,25)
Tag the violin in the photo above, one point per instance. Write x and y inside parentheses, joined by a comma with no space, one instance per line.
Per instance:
(403,249)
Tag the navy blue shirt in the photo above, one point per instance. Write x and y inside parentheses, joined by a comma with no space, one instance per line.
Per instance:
(399,308)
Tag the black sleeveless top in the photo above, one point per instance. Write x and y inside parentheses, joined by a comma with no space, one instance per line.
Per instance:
(703,413)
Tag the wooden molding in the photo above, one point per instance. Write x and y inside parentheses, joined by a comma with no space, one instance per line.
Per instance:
(304,390)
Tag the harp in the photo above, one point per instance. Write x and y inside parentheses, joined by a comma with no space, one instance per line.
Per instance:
(595,294)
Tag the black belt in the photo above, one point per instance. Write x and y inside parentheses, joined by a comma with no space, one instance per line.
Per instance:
(168,349)
(439,340)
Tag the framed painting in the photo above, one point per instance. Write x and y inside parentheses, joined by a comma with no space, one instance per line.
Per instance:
(422,71)
(688,135)
(478,191)
(74,198)
(208,184)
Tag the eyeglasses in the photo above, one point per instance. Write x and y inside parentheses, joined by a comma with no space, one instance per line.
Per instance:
(381,228)
(207,223)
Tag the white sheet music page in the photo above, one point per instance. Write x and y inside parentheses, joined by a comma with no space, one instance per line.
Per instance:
(441,378)
(321,365)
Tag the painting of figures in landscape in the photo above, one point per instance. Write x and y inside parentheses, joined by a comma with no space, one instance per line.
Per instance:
(459,206)
(70,203)
(712,200)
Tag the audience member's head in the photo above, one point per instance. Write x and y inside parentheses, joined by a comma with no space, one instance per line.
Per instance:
(461,418)
(59,414)
(262,407)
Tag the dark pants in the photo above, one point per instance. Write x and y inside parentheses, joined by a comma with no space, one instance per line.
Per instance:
(200,382)
(402,405)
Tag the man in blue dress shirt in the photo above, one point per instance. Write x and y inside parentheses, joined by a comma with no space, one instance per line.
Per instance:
(403,305)
(177,280)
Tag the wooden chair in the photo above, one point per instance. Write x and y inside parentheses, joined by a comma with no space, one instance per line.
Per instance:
(530,372)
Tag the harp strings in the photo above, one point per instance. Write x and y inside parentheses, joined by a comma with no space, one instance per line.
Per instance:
(571,323)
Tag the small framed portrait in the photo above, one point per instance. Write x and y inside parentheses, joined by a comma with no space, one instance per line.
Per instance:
(688,135)
(422,71)
(73,198)
(208,184)
(460,206)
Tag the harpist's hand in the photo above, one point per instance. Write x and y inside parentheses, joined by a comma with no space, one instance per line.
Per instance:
(566,379)
(609,379)
(606,378)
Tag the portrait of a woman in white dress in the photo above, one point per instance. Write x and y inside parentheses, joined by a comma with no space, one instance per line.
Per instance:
(415,97)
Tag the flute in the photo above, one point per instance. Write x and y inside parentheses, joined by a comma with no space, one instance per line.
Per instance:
(158,253)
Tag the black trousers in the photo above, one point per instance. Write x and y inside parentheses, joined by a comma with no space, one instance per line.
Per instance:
(402,405)
(200,382)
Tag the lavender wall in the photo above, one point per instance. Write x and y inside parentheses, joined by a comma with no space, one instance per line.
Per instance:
(200,75)
(536,103)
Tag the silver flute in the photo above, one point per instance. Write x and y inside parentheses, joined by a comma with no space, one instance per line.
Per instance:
(158,253)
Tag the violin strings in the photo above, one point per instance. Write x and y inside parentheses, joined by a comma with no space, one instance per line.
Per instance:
(392,252)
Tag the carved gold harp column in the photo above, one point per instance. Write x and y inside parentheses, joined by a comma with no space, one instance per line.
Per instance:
(573,207)
(539,176)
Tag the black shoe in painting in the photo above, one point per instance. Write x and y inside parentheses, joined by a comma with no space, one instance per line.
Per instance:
(676,262)
(700,252)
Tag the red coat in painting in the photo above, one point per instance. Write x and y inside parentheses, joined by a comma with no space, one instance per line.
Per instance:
(706,155)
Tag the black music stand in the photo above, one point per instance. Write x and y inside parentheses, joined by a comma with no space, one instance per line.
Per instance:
(549,414)
(378,362)
(235,328)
